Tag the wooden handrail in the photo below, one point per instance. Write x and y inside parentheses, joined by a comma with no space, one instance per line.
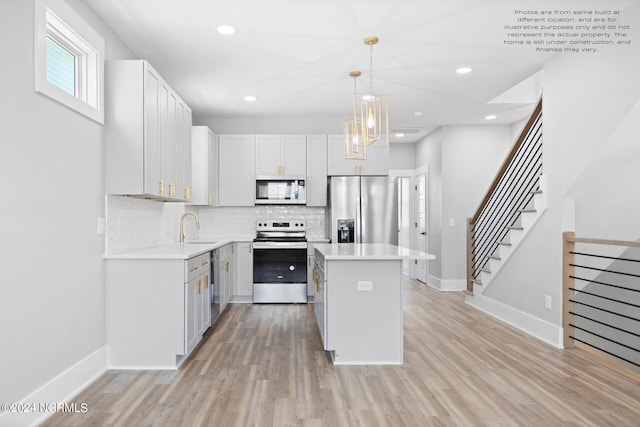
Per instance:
(507,161)
(630,243)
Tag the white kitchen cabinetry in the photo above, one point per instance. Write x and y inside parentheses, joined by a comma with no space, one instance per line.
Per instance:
(204,163)
(236,179)
(316,170)
(281,155)
(156,313)
(226,274)
(243,290)
(147,149)
(376,163)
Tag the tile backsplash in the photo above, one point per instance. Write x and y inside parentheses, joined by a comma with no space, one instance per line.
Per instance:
(134,223)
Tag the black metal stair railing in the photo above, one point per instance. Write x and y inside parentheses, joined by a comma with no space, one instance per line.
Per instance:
(601,295)
(509,195)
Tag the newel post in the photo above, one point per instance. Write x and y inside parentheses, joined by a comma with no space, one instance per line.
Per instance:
(469,256)
(568,283)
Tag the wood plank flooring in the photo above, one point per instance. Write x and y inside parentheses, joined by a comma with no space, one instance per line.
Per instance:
(263,365)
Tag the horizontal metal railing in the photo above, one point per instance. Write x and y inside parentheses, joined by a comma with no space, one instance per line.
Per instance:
(601,296)
(509,194)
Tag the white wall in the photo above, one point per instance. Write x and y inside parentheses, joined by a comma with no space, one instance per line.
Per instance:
(462,162)
(52,294)
(402,156)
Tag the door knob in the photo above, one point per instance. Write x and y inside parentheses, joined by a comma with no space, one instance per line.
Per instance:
(424,233)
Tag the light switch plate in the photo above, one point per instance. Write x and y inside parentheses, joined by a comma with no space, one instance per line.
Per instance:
(452,222)
(365,285)
(547,302)
(102,226)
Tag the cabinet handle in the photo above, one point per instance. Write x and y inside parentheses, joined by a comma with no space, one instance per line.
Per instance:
(198,286)
(206,281)
(203,263)
(193,268)
(209,198)
(187,193)
(232,248)
(226,266)
(162,187)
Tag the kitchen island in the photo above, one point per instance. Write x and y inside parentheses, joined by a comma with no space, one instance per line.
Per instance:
(358,301)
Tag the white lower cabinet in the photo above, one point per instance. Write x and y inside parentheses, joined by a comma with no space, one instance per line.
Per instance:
(225,274)
(243,289)
(157,310)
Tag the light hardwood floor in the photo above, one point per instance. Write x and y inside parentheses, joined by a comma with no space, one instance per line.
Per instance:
(264,365)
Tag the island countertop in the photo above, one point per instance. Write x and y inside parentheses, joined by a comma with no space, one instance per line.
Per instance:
(369,251)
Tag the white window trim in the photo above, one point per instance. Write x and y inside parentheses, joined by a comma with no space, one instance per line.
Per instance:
(58,19)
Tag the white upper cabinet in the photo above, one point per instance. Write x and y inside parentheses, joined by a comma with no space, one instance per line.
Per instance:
(204,164)
(236,180)
(376,163)
(316,170)
(281,155)
(147,143)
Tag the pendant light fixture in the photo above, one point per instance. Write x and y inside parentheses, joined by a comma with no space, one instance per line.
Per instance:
(354,148)
(374,113)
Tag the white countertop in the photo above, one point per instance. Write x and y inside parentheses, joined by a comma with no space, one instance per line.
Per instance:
(170,251)
(369,251)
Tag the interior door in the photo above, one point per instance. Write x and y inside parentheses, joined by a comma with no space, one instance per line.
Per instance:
(422,238)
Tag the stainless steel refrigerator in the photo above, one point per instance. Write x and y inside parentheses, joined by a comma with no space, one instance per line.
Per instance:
(363,209)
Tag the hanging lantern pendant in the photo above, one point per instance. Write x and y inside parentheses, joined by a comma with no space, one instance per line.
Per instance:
(374,113)
(354,147)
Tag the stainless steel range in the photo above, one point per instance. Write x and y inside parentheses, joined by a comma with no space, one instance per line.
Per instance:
(280,262)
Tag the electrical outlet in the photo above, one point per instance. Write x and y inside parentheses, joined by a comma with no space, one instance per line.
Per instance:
(365,285)
(547,302)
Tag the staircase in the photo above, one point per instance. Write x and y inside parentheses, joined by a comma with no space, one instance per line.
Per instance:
(513,204)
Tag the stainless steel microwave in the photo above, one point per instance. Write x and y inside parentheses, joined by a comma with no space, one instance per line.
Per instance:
(280,192)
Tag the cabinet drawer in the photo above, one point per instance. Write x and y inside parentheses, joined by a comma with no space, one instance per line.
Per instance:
(196,266)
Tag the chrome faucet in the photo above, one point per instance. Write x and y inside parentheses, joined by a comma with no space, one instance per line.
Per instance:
(181,237)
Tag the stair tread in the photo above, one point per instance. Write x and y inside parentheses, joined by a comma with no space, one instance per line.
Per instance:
(467,292)
(486,270)
(476,281)
(527,210)
(494,257)
(536,192)
(516,228)
(504,243)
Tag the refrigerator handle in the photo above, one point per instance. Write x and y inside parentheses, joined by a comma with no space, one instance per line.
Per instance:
(358,231)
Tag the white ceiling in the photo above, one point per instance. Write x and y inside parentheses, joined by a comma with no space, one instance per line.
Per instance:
(296,55)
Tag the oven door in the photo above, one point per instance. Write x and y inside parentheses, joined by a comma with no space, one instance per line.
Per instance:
(279,272)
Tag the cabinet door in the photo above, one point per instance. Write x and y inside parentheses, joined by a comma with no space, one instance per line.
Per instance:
(204,155)
(236,170)
(337,164)
(244,270)
(316,170)
(152,120)
(268,155)
(294,156)
(184,152)
(191,309)
(205,303)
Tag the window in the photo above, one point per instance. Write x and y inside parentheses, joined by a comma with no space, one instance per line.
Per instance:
(69,60)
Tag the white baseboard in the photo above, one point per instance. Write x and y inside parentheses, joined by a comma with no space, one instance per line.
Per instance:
(447,285)
(538,328)
(61,389)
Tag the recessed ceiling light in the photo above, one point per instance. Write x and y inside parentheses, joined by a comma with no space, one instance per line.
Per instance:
(417,113)
(226,29)
(490,117)
(399,135)
(250,98)
(464,70)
